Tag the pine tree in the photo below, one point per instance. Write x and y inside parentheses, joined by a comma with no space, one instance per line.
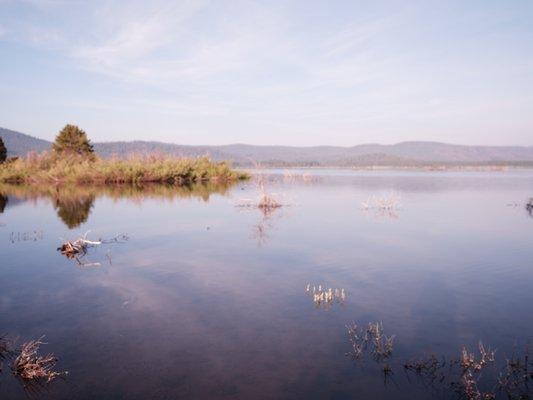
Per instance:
(72,140)
(3,151)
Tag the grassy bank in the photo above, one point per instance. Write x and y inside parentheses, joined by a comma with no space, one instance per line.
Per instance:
(52,168)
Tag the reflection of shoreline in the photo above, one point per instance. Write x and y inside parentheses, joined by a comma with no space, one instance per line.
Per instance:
(73,203)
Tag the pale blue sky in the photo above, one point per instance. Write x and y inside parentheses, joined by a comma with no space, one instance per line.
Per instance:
(266,72)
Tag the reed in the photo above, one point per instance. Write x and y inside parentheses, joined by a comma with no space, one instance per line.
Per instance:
(30,366)
(50,167)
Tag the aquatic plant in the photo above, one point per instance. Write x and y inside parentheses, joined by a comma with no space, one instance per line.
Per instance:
(28,365)
(371,338)
(516,380)
(325,297)
(429,367)
(266,201)
(292,177)
(384,203)
(461,375)
(471,367)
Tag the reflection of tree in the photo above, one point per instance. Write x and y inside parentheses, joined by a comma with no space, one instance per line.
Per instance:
(74,203)
(3,203)
(73,211)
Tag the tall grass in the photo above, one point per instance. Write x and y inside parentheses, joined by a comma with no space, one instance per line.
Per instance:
(52,168)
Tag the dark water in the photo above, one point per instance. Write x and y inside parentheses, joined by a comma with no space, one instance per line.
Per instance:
(208,299)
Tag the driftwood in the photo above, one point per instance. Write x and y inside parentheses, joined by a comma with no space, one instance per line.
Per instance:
(79,247)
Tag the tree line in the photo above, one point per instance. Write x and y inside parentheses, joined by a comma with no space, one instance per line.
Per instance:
(71,140)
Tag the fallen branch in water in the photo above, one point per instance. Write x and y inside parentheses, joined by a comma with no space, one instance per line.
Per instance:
(30,366)
(79,247)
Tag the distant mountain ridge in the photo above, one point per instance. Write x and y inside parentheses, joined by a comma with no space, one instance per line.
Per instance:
(400,154)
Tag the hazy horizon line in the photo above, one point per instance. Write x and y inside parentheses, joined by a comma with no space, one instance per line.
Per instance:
(278,145)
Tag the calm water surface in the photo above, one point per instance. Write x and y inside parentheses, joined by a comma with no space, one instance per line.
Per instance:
(208,299)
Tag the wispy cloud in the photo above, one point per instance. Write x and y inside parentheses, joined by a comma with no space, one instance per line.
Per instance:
(289,66)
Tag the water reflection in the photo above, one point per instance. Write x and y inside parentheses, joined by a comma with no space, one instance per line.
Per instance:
(73,203)
(29,236)
(73,211)
(190,312)
(78,249)
(3,203)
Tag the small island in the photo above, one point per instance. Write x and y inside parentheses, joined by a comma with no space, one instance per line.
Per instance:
(72,160)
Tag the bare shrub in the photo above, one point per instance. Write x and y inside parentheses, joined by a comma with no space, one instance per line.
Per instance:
(266,201)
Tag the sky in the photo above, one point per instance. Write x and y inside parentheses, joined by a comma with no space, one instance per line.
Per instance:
(270,72)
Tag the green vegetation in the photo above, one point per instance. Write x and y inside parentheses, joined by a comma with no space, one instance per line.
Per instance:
(3,151)
(73,161)
(72,140)
(52,168)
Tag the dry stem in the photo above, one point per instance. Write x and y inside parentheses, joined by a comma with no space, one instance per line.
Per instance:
(30,366)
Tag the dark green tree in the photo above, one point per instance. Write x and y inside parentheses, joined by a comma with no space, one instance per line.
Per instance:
(72,140)
(3,151)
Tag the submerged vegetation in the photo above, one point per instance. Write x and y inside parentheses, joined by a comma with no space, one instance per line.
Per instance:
(32,369)
(29,365)
(266,201)
(72,160)
(468,376)
(370,338)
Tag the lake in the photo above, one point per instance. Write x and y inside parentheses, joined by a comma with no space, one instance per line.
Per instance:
(211,297)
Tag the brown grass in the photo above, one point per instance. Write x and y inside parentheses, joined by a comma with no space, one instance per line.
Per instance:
(49,167)
(30,366)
